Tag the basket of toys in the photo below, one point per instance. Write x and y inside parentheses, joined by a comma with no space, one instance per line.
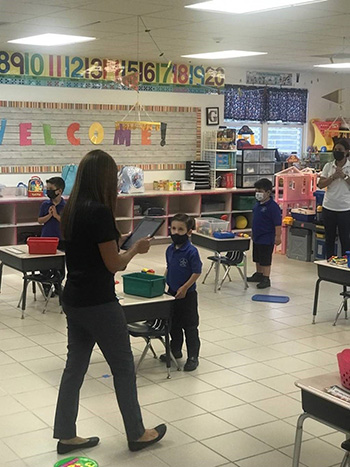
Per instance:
(344,367)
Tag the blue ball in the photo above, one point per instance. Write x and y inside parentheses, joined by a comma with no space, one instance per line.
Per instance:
(323,149)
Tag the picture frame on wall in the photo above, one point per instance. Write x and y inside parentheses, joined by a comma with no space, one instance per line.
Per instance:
(212,114)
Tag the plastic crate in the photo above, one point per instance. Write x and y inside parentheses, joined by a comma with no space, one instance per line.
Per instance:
(243,202)
(267,155)
(209,225)
(42,245)
(250,155)
(143,285)
(267,168)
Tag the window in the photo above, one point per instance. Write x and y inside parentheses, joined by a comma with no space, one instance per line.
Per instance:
(286,138)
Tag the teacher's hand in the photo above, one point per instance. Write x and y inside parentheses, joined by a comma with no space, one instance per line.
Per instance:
(143,245)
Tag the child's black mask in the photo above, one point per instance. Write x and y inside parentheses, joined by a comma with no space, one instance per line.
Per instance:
(179,239)
(51,194)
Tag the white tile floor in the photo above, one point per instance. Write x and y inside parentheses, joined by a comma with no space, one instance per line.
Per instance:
(239,408)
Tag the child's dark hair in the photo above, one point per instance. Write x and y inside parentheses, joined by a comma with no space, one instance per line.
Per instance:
(343,142)
(187,220)
(58,182)
(263,184)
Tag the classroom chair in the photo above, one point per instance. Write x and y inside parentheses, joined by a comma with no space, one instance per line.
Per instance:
(149,330)
(344,304)
(54,282)
(237,259)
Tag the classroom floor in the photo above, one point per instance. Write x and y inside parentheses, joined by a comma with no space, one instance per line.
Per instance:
(238,408)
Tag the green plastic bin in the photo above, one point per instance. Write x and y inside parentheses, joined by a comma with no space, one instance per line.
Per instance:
(243,202)
(143,284)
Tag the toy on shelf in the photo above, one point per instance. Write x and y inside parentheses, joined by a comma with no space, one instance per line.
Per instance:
(241,222)
(35,187)
(243,235)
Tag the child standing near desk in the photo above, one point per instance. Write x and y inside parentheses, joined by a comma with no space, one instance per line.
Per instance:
(183,269)
(50,217)
(266,230)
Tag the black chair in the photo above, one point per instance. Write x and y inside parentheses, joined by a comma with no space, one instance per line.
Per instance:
(148,330)
(344,304)
(53,281)
(237,259)
(346,446)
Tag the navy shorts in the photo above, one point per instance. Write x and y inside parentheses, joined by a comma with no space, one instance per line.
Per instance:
(262,254)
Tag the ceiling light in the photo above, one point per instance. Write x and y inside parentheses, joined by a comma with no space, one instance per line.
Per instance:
(224,54)
(248,6)
(339,66)
(48,40)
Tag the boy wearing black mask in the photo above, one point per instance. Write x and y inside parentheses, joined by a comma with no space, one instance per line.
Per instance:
(183,269)
(50,217)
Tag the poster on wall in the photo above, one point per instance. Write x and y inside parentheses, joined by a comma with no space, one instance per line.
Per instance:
(127,74)
(269,79)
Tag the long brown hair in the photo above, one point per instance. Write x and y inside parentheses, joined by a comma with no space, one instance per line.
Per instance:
(96,180)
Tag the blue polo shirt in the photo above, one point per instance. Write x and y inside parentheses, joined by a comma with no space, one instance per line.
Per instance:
(181,264)
(52,227)
(266,217)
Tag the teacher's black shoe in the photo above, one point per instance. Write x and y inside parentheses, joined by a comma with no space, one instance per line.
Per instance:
(63,448)
(346,445)
(191,364)
(138,445)
(256,277)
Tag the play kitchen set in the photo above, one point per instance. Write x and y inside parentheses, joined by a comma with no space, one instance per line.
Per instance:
(306,234)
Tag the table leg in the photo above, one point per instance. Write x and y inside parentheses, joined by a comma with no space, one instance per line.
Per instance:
(217,271)
(24,294)
(317,290)
(1,268)
(245,271)
(298,439)
(167,349)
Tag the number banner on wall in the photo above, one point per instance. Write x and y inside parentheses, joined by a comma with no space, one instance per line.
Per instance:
(129,73)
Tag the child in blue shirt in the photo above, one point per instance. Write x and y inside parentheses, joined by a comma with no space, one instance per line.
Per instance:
(183,269)
(50,218)
(266,232)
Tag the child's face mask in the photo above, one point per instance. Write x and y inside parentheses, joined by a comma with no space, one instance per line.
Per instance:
(179,239)
(259,196)
(52,194)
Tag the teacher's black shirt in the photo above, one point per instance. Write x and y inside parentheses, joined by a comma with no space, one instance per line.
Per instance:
(88,281)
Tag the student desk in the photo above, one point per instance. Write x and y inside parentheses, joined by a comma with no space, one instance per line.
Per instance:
(219,246)
(323,407)
(331,273)
(143,309)
(18,258)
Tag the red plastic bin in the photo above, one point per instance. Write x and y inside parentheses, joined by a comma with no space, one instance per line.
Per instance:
(42,245)
(344,367)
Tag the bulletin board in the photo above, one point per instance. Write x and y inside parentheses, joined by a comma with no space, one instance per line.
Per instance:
(40,137)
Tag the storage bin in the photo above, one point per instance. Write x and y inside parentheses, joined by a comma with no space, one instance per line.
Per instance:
(267,168)
(247,181)
(243,202)
(267,155)
(187,185)
(319,195)
(303,215)
(143,285)
(42,245)
(209,225)
(344,367)
(269,177)
(299,244)
(249,155)
(223,161)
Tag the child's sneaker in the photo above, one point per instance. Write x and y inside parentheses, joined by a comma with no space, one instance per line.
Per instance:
(191,364)
(265,282)
(177,355)
(256,277)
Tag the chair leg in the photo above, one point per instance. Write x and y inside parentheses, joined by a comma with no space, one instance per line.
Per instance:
(153,351)
(52,288)
(227,272)
(143,355)
(208,272)
(34,290)
(41,288)
(345,461)
(245,271)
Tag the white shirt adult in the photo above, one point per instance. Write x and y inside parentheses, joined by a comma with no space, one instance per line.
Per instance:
(337,197)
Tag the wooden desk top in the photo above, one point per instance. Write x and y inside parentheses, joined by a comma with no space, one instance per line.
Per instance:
(21,251)
(317,384)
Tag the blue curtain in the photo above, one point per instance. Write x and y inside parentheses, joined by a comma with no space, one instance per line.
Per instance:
(265,104)
(244,103)
(288,105)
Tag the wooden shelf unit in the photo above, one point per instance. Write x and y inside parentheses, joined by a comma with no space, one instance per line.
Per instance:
(18,215)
